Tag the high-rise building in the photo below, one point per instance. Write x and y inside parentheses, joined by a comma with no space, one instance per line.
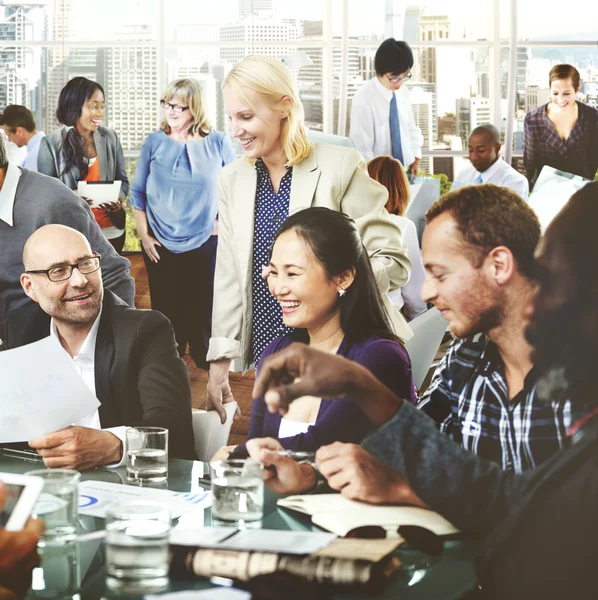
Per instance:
(535,96)
(413,13)
(431,89)
(253,7)
(64,27)
(252,31)
(193,61)
(310,81)
(131,77)
(431,27)
(470,113)
(422,102)
(20,67)
(394,19)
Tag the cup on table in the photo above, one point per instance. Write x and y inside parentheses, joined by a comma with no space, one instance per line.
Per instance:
(57,505)
(137,547)
(59,575)
(147,454)
(237,490)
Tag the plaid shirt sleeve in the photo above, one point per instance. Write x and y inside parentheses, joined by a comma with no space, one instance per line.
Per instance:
(529,146)
(436,401)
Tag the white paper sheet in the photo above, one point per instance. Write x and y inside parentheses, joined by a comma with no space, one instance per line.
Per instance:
(40,391)
(96,496)
(100,191)
(253,540)
(206,537)
(279,541)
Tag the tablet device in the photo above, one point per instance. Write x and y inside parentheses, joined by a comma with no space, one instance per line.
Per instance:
(21,495)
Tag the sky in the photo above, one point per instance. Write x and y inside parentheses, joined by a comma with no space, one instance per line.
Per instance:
(365,16)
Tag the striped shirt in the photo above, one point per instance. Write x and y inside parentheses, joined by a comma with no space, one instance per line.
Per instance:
(468,399)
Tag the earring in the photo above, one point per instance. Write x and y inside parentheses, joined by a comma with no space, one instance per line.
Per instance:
(341,292)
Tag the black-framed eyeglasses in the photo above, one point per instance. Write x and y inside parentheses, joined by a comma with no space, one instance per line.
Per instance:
(63,272)
(176,107)
(399,79)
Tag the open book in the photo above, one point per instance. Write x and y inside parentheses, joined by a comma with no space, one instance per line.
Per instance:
(339,515)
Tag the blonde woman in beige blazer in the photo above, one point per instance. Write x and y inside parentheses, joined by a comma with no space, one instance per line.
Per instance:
(266,115)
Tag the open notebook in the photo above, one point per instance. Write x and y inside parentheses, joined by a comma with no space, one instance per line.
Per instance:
(339,515)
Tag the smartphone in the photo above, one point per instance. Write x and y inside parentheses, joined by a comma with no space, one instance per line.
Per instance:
(22,493)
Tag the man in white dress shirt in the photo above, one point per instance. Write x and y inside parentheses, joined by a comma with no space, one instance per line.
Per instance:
(382,122)
(487,166)
(126,357)
(19,126)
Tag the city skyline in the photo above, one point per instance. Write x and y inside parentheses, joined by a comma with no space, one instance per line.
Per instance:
(129,73)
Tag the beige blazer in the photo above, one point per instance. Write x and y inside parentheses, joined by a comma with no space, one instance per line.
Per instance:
(331,176)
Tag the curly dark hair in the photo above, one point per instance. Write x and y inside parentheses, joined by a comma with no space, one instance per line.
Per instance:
(488,216)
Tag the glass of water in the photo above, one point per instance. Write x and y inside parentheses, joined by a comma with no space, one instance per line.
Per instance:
(147,454)
(137,547)
(237,490)
(57,505)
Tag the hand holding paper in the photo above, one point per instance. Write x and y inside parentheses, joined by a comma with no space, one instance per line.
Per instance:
(41,391)
(99,192)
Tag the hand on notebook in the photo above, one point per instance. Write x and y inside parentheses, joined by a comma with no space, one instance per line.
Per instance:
(18,555)
(299,370)
(359,476)
(282,475)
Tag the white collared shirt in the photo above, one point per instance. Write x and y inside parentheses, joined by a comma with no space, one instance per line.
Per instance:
(85,364)
(33,144)
(370,122)
(8,193)
(499,173)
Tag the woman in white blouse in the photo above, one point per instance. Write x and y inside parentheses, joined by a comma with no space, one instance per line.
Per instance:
(390,173)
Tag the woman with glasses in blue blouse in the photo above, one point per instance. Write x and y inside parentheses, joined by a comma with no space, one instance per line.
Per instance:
(175,205)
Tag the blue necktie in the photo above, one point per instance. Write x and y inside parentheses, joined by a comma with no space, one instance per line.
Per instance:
(395,131)
(479,179)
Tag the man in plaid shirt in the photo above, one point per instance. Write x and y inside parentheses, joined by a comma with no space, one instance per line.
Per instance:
(478,250)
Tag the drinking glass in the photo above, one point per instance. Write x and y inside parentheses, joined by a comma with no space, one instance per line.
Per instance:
(57,505)
(147,454)
(237,490)
(137,547)
(58,576)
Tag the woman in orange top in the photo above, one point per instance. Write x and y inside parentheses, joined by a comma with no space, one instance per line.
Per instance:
(83,150)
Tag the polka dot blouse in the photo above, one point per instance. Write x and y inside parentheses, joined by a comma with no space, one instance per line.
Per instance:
(271,209)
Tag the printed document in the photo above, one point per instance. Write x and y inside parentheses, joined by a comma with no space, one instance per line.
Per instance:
(40,391)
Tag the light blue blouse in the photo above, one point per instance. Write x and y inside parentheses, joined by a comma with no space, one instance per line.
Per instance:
(176,185)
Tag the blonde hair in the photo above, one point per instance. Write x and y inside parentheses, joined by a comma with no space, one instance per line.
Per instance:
(188,90)
(271,79)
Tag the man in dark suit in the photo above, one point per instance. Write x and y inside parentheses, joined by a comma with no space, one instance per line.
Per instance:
(127,357)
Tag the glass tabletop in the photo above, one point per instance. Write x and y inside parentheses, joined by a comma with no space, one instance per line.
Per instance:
(77,570)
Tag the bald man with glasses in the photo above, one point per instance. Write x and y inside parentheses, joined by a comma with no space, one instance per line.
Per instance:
(127,357)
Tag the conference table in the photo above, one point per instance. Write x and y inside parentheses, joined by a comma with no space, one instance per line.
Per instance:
(77,570)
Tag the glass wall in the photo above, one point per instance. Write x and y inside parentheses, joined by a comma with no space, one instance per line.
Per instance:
(460,77)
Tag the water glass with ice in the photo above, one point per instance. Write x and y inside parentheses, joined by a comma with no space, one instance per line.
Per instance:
(57,505)
(237,490)
(137,547)
(147,454)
